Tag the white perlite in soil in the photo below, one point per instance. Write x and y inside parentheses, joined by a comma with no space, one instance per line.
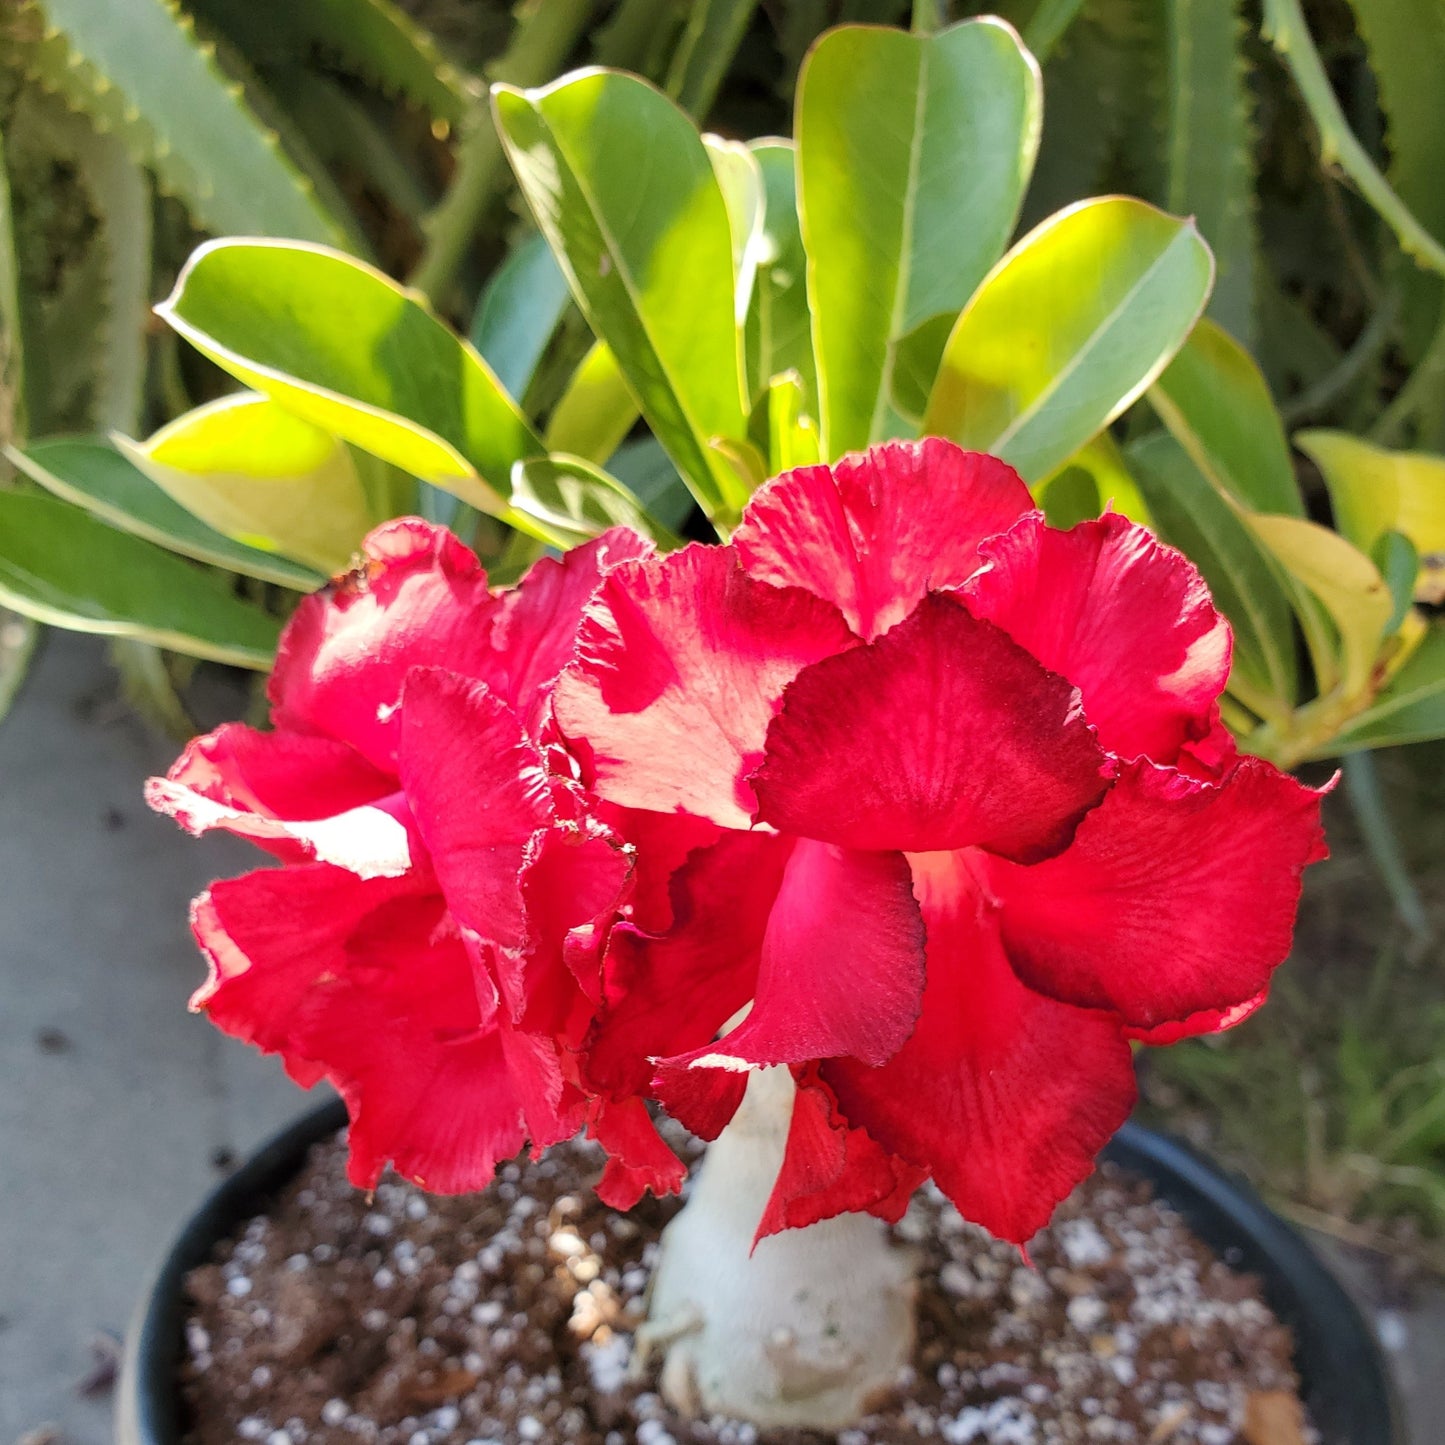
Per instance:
(508,1317)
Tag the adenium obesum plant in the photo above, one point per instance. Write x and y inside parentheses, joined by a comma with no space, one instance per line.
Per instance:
(867,844)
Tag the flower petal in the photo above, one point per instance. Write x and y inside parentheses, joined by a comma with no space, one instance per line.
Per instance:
(1206,1021)
(877,530)
(830,1167)
(943,734)
(299,797)
(364,983)
(478,792)
(841,969)
(1126,619)
(1175,895)
(639,1159)
(1003,1095)
(681,662)
(417,598)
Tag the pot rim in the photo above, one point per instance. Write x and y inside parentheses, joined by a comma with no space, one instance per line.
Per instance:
(1345,1381)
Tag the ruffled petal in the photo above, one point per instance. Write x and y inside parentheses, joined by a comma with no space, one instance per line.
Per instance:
(829,1167)
(417,598)
(1206,1021)
(1126,619)
(877,530)
(478,792)
(943,734)
(638,1159)
(1003,1095)
(363,982)
(302,798)
(841,970)
(680,665)
(1175,896)
(669,993)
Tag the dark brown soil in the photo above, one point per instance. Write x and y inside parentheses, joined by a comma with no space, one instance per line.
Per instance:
(506,1318)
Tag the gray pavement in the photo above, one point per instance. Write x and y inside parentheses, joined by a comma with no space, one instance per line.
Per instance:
(115,1102)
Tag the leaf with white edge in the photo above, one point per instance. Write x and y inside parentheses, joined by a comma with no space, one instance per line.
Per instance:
(63,567)
(1189,513)
(779,334)
(253,471)
(1374,490)
(620,183)
(344,347)
(1068,330)
(595,411)
(740,178)
(565,500)
(1345,581)
(18,637)
(913,155)
(519,312)
(91,474)
(1214,398)
(149,80)
(1410,710)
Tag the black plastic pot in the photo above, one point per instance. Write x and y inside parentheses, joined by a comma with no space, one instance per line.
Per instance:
(1346,1384)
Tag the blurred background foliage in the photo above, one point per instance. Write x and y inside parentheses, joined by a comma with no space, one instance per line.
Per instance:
(1305,136)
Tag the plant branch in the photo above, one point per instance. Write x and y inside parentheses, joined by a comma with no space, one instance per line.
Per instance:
(545,33)
(1285,29)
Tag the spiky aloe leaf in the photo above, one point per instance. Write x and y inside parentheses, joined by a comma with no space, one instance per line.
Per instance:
(1211,144)
(371,39)
(146,77)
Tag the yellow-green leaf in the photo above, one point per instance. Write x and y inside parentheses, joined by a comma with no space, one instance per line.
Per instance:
(1069,329)
(595,411)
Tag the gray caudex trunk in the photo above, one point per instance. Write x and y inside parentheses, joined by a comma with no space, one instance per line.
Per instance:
(809,1330)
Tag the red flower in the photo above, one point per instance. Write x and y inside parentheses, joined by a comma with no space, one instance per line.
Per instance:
(432,944)
(983,828)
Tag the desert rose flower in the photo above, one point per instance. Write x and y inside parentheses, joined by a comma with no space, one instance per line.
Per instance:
(430,941)
(994,828)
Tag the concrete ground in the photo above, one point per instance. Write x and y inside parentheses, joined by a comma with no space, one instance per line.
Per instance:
(117,1107)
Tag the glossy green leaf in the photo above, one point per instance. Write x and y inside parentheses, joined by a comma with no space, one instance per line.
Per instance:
(792,435)
(779,334)
(1410,710)
(913,155)
(1214,398)
(350,351)
(93,475)
(1399,563)
(1114,485)
(714,30)
(256,473)
(566,500)
(648,473)
(622,187)
(518,313)
(1068,330)
(595,411)
(1347,584)
(1374,490)
(740,179)
(61,566)
(1192,515)
(1070,496)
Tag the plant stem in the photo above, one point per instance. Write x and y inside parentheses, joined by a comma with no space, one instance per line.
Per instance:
(546,32)
(1285,29)
(1362,787)
(804,1331)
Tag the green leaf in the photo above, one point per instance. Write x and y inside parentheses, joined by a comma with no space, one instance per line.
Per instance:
(1068,330)
(1210,144)
(347,349)
(61,566)
(913,155)
(518,313)
(1214,398)
(1374,491)
(1345,581)
(566,500)
(621,185)
(792,437)
(1114,487)
(779,334)
(1071,495)
(12,345)
(18,638)
(740,179)
(1399,563)
(715,29)
(93,475)
(152,83)
(1410,710)
(595,412)
(1192,515)
(648,473)
(252,471)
